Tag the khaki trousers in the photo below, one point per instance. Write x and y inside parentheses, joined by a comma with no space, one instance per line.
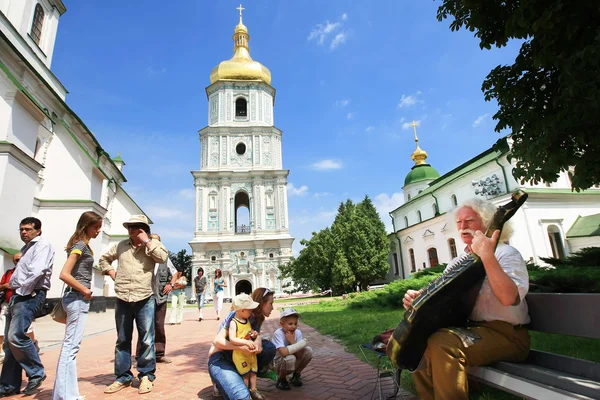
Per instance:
(448,359)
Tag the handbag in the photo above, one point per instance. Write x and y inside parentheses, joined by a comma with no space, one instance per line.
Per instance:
(58,313)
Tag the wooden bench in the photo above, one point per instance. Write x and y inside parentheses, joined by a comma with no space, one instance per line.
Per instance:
(546,375)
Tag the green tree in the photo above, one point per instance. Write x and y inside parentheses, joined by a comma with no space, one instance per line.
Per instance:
(182,262)
(550,97)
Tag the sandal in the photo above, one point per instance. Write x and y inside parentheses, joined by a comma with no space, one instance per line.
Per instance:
(256,395)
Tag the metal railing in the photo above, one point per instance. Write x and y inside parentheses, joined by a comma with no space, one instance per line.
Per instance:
(242,229)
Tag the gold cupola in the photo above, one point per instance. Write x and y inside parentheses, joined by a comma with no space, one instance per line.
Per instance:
(241,67)
(421,171)
(419,156)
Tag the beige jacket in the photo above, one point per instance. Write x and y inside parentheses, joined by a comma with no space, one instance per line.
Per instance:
(133,281)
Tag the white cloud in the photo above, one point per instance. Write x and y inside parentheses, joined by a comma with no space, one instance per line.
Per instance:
(408,125)
(407,101)
(294,191)
(385,203)
(350,115)
(339,39)
(479,120)
(324,165)
(151,71)
(342,103)
(322,219)
(164,212)
(323,32)
(370,129)
(321,195)
(187,194)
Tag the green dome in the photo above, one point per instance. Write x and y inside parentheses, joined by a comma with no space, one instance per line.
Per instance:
(421,172)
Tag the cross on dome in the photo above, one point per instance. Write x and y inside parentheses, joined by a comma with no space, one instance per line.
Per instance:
(241,9)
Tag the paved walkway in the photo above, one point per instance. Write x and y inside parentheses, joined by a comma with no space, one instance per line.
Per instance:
(333,373)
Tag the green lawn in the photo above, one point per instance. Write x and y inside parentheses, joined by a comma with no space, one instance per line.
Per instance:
(352,327)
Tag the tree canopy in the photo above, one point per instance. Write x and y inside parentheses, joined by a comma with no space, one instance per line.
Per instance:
(183,263)
(349,255)
(550,97)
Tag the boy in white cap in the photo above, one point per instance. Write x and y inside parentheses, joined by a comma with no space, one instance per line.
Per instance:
(242,334)
(293,355)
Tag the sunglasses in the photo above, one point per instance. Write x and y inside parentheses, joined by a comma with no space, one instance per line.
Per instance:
(267,291)
(135,226)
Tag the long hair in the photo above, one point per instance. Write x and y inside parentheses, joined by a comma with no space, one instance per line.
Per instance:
(87,219)
(259,296)
(218,273)
(486,211)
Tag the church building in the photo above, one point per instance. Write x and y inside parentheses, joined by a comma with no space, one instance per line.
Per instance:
(241,224)
(554,222)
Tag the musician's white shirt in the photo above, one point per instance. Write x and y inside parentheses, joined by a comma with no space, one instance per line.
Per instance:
(487,306)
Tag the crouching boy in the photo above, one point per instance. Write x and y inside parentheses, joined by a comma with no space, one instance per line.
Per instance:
(293,355)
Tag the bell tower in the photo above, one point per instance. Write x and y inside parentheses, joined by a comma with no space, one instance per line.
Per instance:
(241,223)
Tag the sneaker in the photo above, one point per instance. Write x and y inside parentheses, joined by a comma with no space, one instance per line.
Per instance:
(216,391)
(145,385)
(296,380)
(116,386)
(268,374)
(256,395)
(33,385)
(282,384)
(164,360)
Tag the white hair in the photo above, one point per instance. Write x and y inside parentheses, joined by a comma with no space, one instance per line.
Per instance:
(486,211)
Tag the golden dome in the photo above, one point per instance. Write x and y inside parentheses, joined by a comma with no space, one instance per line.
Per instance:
(241,67)
(419,156)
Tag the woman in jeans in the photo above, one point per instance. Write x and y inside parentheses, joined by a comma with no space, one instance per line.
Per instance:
(222,371)
(77,275)
(219,284)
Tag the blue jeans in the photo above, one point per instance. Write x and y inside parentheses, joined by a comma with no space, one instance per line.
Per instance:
(143,313)
(19,351)
(200,298)
(224,374)
(65,384)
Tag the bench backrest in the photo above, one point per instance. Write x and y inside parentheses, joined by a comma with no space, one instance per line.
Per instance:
(576,314)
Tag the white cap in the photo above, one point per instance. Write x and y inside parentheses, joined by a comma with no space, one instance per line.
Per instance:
(286,312)
(243,301)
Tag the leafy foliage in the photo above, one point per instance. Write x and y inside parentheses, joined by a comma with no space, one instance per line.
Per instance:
(550,97)
(183,263)
(586,257)
(349,255)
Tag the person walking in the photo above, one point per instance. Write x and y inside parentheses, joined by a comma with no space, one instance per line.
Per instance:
(133,286)
(30,283)
(218,285)
(77,275)
(200,282)
(178,301)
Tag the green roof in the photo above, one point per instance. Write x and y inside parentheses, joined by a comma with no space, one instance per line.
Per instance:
(585,227)
(423,172)
(118,159)
(497,150)
(9,250)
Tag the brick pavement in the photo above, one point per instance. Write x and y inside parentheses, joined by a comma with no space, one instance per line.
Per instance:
(333,373)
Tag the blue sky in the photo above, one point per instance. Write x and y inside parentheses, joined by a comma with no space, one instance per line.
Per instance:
(350,76)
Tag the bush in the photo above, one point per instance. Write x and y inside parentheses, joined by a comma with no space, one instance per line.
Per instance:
(391,295)
(586,257)
(564,279)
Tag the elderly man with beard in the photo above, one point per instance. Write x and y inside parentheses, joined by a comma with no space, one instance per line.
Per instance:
(496,324)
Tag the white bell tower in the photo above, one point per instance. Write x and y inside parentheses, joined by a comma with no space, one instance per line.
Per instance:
(241,223)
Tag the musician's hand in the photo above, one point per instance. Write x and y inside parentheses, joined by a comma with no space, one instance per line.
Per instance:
(409,297)
(484,246)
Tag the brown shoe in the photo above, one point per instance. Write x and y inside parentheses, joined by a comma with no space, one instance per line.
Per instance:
(145,385)
(116,386)
(163,360)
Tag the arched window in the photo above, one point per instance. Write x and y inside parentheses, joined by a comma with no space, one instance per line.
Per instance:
(413,266)
(433,257)
(213,258)
(419,216)
(240,107)
(270,255)
(37,24)
(452,247)
(405,221)
(242,212)
(556,242)
(454,201)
